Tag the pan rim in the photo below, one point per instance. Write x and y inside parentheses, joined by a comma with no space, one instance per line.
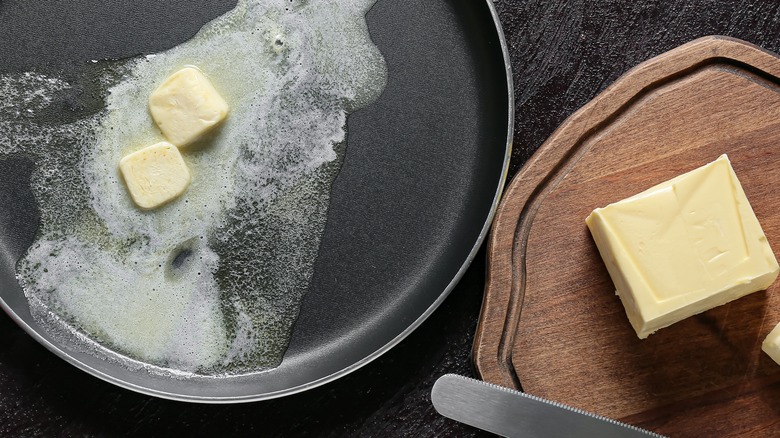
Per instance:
(368,358)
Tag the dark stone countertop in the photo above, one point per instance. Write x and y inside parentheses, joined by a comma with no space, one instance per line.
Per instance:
(564,52)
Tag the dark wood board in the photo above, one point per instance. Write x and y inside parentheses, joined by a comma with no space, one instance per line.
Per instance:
(551,323)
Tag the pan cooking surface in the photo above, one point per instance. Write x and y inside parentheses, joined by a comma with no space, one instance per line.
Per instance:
(407,210)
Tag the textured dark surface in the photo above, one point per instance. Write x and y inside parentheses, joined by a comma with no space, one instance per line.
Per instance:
(563,52)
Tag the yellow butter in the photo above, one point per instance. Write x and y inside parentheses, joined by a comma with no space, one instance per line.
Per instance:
(186,106)
(155,175)
(771,344)
(682,247)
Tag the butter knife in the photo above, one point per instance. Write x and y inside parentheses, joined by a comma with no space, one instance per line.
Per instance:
(513,413)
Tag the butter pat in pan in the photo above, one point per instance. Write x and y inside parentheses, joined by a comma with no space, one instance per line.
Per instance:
(682,247)
(155,175)
(186,106)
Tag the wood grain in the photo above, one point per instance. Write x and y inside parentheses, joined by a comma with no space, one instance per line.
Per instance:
(550,322)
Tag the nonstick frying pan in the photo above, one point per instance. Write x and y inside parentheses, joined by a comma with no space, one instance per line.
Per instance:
(424,168)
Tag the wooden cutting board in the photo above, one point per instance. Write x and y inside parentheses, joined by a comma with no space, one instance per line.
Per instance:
(551,323)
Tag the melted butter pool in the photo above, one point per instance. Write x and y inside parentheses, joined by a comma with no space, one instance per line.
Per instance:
(212,282)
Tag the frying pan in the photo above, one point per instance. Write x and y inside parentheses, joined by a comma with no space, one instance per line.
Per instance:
(424,168)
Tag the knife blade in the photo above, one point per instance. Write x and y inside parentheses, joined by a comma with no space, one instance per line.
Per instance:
(513,413)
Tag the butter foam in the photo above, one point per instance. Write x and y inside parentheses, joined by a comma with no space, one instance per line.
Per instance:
(212,282)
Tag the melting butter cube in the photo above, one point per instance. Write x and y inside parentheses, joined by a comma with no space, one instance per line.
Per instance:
(186,106)
(682,247)
(155,175)
(771,344)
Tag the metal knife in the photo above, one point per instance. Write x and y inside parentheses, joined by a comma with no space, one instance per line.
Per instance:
(513,413)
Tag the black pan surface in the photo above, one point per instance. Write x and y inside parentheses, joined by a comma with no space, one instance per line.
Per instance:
(424,167)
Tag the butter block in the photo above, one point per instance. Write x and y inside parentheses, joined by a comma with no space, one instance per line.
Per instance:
(682,247)
(771,344)
(186,106)
(155,175)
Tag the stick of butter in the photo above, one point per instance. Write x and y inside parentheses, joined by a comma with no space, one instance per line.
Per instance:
(155,175)
(186,106)
(682,247)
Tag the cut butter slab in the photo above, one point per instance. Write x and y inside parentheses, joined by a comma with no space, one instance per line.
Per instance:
(186,106)
(155,175)
(682,247)
(771,344)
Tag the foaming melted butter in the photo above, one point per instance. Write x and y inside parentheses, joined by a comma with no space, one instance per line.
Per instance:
(210,283)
